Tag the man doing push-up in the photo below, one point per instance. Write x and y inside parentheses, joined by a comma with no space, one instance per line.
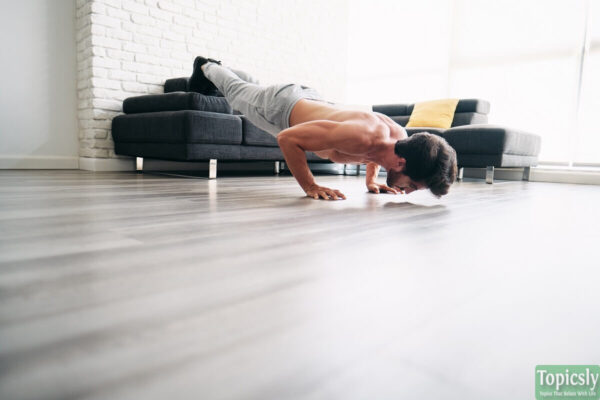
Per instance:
(302,121)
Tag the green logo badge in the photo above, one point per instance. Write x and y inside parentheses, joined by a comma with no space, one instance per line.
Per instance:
(567,382)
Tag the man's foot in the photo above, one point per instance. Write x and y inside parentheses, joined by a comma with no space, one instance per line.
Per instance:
(199,82)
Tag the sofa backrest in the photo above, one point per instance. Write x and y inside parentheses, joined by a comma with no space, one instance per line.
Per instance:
(468,111)
(177,85)
(175,101)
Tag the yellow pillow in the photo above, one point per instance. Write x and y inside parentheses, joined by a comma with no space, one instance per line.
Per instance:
(433,114)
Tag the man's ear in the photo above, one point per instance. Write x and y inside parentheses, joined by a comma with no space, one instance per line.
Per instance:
(401,163)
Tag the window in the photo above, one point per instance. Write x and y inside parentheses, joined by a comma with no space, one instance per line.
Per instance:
(524,56)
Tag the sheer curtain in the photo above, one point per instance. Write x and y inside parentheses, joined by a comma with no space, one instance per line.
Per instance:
(524,56)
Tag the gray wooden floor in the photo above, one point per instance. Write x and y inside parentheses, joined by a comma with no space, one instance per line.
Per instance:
(129,286)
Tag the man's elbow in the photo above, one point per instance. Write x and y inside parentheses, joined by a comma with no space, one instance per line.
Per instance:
(285,138)
(281,138)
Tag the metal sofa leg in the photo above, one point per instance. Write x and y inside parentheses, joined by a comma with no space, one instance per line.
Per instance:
(345,168)
(139,164)
(461,172)
(526,173)
(489,174)
(212,169)
(276,168)
(357,169)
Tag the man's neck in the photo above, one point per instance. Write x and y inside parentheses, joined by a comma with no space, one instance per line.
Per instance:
(383,155)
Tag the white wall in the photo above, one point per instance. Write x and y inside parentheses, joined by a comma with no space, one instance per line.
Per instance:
(38,122)
(128,48)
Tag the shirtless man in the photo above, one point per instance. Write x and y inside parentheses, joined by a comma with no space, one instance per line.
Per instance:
(302,121)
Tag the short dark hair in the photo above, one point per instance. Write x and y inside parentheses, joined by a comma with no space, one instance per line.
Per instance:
(429,159)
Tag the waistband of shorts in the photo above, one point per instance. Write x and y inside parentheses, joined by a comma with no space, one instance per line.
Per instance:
(295,99)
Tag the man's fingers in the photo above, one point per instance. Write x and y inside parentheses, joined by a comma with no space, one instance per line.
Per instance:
(327,194)
(336,194)
(340,194)
(389,189)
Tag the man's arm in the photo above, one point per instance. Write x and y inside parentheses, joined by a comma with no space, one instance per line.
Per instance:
(372,172)
(346,137)
(372,186)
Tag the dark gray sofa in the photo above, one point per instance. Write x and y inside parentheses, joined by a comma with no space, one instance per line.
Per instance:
(186,126)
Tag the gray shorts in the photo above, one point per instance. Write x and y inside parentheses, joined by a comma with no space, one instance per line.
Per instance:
(267,107)
(279,100)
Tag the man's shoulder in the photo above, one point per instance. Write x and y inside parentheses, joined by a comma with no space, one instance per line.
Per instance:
(366,120)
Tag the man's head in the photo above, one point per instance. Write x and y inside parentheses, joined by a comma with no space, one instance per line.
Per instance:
(424,161)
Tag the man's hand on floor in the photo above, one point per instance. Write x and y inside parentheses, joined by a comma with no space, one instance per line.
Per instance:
(375,187)
(321,192)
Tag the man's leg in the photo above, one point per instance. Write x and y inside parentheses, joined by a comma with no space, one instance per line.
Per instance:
(241,95)
(247,98)
(245,76)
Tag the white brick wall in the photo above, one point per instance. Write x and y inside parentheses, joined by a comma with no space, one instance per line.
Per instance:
(130,47)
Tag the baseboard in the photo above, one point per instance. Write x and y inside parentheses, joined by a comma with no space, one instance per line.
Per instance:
(565,176)
(106,164)
(39,162)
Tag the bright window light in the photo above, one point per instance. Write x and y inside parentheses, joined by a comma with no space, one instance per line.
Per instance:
(523,56)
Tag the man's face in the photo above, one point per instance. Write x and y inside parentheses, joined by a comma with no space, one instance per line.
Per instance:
(397,180)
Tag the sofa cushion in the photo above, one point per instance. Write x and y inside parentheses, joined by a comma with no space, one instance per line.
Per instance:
(178,127)
(473,105)
(435,131)
(177,85)
(254,136)
(465,118)
(433,113)
(260,153)
(495,160)
(392,109)
(400,119)
(492,139)
(182,85)
(464,105)
(468,118)
(174,102)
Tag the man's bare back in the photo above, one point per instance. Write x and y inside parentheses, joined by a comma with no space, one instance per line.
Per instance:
(311,110)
